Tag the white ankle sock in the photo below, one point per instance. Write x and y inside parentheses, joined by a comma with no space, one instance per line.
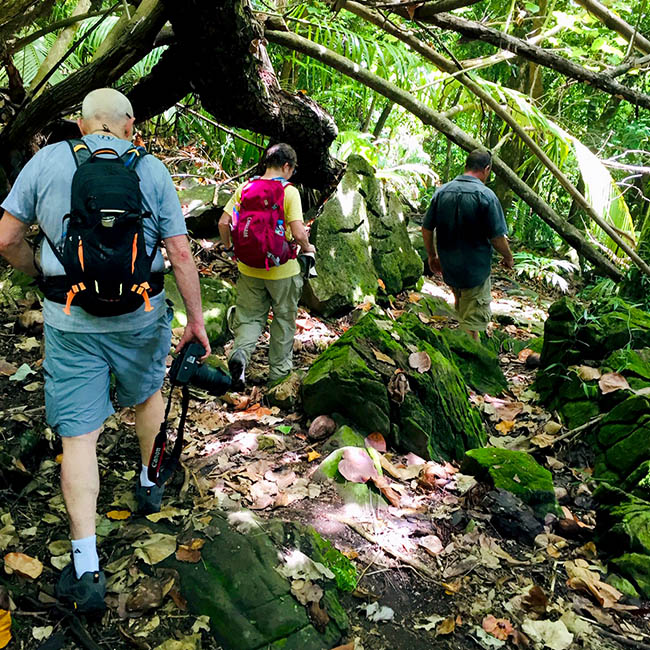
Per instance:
(144,479)
(84,555)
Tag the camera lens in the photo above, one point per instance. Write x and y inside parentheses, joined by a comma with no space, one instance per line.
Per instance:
(214,380)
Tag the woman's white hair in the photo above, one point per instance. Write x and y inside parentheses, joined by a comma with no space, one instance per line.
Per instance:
(106,104)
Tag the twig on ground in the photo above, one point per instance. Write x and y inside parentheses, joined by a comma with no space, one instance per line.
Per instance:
(577,430)
(624,640)
(19,409)
(412,562)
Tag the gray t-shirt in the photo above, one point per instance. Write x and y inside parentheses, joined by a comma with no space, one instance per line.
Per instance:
(41,194)
(466,215)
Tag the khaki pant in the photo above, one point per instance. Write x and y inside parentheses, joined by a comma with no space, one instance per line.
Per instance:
(473,306)
(254,299)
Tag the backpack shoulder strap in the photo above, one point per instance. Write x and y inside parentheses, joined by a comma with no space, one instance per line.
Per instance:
(133,156)
(80,151)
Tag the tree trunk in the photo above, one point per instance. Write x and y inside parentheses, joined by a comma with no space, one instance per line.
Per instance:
(226,63)
(428,116)
(15,14)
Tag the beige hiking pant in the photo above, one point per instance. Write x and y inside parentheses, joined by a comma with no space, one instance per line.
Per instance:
(254,299)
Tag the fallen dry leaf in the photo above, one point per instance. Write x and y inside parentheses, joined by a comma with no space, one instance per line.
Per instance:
(155,548)
(611,382)
(381,284)
(587,373)
(446,627)
(24,565)
(146,596)
(118,515)
(186,554)
(431,544)
(505,426)
(5,627)
(376,440)
(380,356)
(7,369)
(401,473)
(499,628)
(508,410)
(535,600)
(356,465)
(524,354)
(313,455)
(581,578)
(384,487)
(420,361)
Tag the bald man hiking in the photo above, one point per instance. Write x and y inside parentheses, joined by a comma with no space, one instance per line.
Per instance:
(105,314)
(468,221)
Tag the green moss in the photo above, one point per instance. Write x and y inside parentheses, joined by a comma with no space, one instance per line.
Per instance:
(344,436)
(345,573)
(515,471)
(623,585)
(575,414)
(636,568)
(630,362)
(478,365)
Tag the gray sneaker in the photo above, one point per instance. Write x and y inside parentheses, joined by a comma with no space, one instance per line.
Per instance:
(86,594)
(149,499)
(237,369)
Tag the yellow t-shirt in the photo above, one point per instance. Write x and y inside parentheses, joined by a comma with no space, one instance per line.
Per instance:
(292,212)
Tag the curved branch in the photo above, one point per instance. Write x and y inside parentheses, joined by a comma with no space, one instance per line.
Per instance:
(569,233)
(64,96)
(19,44)
(616,24)
(478,31)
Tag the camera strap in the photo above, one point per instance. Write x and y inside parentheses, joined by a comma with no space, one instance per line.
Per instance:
(160,468)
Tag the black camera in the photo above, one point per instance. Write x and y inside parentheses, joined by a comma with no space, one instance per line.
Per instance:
(186,370)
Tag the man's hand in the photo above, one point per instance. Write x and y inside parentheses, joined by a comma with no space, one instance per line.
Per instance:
(195,332)
(508,262)
(309,248)
(434,265)
(501,245)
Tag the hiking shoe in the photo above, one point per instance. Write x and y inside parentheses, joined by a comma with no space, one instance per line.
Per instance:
(149,499)
(86,594)
(237,369)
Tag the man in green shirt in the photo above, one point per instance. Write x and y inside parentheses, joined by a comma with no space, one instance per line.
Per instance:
(468,221)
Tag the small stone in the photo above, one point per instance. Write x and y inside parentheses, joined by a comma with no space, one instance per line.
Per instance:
(322,427)
(562,495)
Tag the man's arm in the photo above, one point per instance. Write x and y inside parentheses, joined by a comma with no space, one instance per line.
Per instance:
(501,245)
(300,235)
(187,280)
(434,260)
(224,228)
(13,246)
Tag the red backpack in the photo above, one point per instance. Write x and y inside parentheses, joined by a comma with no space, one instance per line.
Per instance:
(258,228)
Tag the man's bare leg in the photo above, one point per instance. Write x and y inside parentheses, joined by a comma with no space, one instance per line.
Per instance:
(80,482)
(148,418)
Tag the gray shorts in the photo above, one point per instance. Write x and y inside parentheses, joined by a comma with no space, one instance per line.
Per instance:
(78,369)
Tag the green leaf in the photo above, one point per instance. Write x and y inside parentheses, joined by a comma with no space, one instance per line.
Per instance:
(22,372)
(284,428)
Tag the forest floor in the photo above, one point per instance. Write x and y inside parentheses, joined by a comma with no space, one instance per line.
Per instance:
(434,563)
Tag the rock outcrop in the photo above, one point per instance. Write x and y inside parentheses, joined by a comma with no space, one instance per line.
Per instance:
(370,378)
(360,237)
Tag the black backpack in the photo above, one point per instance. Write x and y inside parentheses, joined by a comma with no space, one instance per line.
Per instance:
(107,268)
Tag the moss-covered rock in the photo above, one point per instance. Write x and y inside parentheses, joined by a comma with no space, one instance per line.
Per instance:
(216,296)
(516,472)
(352,377)
(478,365)
(624,436)
(636,568)
(638,482)
(361,237)
(344,436)
(249,603)
(634,365)
(623,520)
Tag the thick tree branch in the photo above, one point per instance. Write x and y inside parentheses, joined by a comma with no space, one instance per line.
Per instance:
(15,14)
(418,10)
(478,31)
(616,24)
(63,97)
(448,66)
(227,65)
(428,116)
